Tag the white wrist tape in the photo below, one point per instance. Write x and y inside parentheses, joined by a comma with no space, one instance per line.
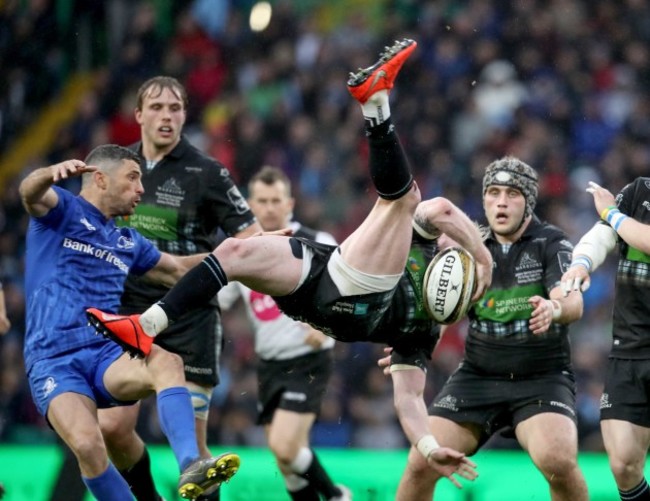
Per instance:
(582,261)
(557,309)
(427,444)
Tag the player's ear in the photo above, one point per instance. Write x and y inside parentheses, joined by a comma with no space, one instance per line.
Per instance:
(100,179)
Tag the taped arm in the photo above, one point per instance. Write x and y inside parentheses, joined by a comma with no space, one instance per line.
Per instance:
(593,247)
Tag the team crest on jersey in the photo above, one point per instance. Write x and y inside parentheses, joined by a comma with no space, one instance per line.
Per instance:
(447,402)
(527,262)
(647,184)
(171,186)
(170,193)
(646,205)
(125,243)
(87,224)
(49,386)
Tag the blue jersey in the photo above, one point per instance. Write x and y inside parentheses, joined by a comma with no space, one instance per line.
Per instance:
(76,258)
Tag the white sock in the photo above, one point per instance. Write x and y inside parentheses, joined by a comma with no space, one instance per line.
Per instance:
(376,109)
(154,321)
(294,482)
(302,460)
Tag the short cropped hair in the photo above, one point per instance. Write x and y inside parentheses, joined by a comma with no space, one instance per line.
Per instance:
(156,85)
(106,156)
(270,175)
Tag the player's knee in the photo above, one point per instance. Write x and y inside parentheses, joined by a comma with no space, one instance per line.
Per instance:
(556,466)
(114,430)
(166,366)
(88,448)
(625,469)
(285,451)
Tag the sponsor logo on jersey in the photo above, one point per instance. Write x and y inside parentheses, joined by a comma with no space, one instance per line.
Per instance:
(49,386)
(604,401)
(413,264)
(87,224)
(361,309)
(562,405)
(488,303)
(646,204)
(294,396)
(155,223)
(447,402)
(350,308)
(198,370)
(99,253)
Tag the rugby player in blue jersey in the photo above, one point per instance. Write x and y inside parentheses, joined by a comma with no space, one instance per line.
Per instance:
(77,257)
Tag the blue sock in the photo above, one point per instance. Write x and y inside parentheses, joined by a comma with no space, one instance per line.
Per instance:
(109,486)
(177,422)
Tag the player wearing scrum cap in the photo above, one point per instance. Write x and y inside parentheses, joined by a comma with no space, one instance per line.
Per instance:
(516,374)
(367,289)
(625,404)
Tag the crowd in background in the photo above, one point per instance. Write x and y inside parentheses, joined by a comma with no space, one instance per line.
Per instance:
(562,84)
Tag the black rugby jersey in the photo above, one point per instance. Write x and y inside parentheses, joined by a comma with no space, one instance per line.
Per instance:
(632,301)
(500,341)
(396,318)
(188,197)
(407,319)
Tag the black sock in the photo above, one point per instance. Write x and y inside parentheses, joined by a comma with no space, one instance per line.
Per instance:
(639,493)
(307,493)
(195,289)
(140,479)
(319,479)
(389,168)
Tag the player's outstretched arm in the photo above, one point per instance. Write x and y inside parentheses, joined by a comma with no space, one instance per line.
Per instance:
(35,190)
(408,387)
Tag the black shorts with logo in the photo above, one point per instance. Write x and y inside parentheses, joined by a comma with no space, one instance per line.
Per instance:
(297,384)
(497,403)
(626,395)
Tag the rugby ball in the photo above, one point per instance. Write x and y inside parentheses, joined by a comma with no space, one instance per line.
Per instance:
(449,284)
